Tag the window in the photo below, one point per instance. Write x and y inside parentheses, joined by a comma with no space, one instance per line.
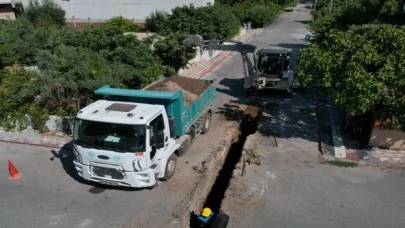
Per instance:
(109,136)
(208,3)
(158,123)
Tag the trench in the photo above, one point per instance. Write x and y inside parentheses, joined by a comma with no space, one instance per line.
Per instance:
(247,127)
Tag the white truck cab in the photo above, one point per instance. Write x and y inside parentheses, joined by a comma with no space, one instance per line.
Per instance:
(124,144)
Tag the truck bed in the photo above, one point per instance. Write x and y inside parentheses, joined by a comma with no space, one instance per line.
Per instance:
(184,114)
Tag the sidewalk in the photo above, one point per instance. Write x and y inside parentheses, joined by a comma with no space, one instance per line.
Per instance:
(33,138)
(339,150)
(52,140)
(202,68)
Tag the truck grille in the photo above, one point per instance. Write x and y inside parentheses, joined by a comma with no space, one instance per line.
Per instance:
(103,172)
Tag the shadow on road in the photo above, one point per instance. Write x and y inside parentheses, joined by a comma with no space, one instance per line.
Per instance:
(286,116)
(304,22)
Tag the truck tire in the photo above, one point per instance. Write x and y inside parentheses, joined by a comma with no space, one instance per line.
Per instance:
(170,167)
(220,221)
(207,123)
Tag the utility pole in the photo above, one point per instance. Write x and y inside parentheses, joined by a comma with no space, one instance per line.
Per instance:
(330,6)
(315,4)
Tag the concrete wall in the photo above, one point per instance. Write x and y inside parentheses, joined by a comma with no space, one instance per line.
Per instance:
(7,12)
(101,10)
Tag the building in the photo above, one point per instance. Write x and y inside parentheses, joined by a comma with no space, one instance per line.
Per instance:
(96,11)
(6,10)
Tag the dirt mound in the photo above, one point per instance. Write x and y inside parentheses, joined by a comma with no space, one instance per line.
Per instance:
(250,110)
(236,112)
(169,86)
(191,88)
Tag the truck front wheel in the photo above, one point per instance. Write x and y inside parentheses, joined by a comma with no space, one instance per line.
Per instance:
(207,123)
(170,167)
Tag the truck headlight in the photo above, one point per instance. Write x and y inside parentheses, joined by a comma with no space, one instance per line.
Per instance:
(78,157)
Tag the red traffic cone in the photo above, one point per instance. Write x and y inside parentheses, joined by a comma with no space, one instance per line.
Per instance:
(14,174)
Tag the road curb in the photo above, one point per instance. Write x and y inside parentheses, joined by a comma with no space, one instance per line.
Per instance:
(367,163)
(67,146)
(381,164)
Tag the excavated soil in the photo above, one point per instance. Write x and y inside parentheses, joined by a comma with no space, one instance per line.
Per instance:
(191,88)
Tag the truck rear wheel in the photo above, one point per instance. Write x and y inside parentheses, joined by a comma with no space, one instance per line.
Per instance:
(170,167)
(207,123)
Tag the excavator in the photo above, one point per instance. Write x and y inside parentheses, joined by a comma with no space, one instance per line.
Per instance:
(271,68)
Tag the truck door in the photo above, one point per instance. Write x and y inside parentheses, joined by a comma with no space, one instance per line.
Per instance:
(158,125)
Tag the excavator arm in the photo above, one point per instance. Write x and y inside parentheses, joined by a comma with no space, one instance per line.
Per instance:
(250,69)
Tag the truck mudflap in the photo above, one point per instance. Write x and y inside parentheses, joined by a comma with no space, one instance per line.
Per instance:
(108,175)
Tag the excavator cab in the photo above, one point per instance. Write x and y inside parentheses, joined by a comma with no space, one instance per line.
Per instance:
(270,69)
(273,62)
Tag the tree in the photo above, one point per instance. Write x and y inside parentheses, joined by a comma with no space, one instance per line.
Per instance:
(209,22)
(355,12)
(47,14)
(157,22)
(123,24)
(261,15)
(364,69)
(174,52)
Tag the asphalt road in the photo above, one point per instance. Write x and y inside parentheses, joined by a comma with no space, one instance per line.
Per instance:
(304,193)
(291,188)
(50,193)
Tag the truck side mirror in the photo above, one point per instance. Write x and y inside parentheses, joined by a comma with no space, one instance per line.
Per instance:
(159,139)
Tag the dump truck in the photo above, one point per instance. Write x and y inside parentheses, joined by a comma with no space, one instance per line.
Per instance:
(133,137)
(271,68)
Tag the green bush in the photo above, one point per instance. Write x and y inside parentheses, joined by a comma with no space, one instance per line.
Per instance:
(123,24)
(261,15)
(39,116)
(209,22)
(45,15)
(174,52)
(157,22)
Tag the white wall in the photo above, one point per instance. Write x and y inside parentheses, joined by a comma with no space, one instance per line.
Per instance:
(101,10)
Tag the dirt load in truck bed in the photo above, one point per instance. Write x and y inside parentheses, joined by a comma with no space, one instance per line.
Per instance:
(191,88)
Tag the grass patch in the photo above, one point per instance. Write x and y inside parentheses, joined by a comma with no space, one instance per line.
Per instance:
(338,163)
(342,163)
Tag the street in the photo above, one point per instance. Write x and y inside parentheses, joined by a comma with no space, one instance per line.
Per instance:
(290,188)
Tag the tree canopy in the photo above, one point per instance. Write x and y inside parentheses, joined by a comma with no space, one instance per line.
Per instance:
(357,54)
(45,14)
(209,22)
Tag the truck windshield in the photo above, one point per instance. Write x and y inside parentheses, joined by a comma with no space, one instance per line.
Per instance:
(272,64)
(109,136)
